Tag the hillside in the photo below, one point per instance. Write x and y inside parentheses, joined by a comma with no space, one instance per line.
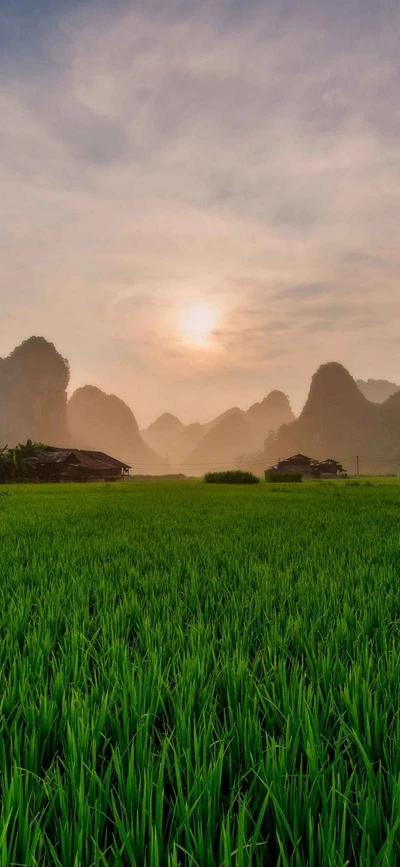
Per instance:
(104,422)
(33,394)
(377,390)
(390,413)
(266,417)
(220,446)
(163,431)
(195,445)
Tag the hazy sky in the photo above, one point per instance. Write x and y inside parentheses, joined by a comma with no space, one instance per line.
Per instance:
(242,156)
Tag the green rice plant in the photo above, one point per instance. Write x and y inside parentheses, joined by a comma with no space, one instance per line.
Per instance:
(200,675)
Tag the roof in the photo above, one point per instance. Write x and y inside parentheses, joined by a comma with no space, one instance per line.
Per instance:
(90,459)
(299,458)
(102,456)
(56,456)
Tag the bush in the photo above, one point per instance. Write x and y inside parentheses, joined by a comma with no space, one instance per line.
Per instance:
(232,477)
(272,476)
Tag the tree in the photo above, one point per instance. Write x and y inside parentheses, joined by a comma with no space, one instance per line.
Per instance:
(6,464)
(24,458)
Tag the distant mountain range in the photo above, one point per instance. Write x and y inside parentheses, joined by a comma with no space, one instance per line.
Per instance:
(339,419)
(219,441)
(377,390)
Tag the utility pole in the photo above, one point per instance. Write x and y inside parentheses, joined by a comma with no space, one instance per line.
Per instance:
(358,464)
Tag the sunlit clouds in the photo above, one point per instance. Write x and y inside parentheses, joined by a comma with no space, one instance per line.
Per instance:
(201,203)
(196,323)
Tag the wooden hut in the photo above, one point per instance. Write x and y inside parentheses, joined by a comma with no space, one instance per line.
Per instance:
(78,465)
(308,467)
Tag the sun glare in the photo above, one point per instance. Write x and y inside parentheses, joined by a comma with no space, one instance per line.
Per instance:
(197,322)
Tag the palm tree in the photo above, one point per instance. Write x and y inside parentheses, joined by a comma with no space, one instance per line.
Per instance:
(24,457)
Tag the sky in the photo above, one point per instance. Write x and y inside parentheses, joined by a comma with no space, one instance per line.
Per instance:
(201,201)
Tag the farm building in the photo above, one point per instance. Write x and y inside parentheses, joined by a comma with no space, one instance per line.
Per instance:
(329,467)
(81,465)
(309,467)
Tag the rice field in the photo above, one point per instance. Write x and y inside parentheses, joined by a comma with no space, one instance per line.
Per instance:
(200,675)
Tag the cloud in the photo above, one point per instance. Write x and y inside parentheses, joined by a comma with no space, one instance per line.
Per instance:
(155,155)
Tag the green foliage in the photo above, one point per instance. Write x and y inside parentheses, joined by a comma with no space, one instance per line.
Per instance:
(6,464)
(232,477)
(211,671)
(23,458)
(273,476)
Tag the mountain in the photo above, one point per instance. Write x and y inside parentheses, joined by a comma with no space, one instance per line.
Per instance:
(220,446)
(33,394)
(161,434)
(184,444)
(390,413)
(338,421)
(266,416)
(237,432)
(105,423)
(170,437)
(377,390)
(275,410)
(233,410)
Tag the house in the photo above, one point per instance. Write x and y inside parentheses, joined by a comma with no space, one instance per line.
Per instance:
(308,467)
(329,468)
(80,465)
(296,464)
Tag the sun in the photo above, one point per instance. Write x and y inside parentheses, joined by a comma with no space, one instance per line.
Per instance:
(196,322)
